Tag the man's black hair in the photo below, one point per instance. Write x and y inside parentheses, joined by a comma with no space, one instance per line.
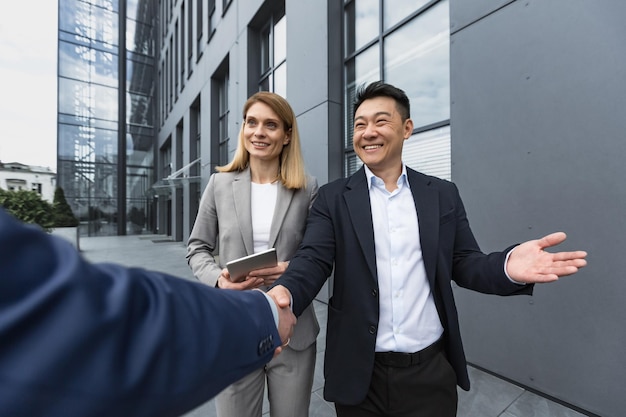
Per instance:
(381,89)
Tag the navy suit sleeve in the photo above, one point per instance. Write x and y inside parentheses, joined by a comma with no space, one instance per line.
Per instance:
(79,339)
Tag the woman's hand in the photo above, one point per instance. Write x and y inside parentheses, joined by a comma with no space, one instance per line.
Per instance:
(269,275)
(223,281)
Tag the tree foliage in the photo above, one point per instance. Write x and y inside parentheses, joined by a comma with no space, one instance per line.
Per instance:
(63,215)
(29,207)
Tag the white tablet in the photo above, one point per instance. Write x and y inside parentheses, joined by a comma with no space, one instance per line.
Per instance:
(239,268)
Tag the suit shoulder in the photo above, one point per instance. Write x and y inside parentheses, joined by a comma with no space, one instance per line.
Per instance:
(221,177)
(335,185)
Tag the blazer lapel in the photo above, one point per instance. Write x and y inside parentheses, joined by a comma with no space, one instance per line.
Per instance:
(426,200)
(357,200)
(243,210)
(283,201)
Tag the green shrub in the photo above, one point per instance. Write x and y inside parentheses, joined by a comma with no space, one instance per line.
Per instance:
(63,215)
(29,207)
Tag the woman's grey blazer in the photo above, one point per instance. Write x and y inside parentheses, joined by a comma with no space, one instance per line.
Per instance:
(224,222)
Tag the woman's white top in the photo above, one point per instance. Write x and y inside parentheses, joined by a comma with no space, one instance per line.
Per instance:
(263,200)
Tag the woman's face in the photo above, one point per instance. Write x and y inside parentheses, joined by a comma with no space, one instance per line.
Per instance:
(264,133)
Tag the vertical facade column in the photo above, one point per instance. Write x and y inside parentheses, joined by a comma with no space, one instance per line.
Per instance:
(121,122)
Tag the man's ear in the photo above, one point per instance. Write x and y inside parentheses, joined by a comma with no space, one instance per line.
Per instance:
(408,128)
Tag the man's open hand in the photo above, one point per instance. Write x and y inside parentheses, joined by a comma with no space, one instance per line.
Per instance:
(530,263)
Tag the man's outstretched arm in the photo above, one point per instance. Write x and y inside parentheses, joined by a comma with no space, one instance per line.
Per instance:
(80,339)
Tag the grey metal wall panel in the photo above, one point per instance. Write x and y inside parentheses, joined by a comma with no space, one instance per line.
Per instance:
(307,52)
(464,13)
(313,73)
(313,126)
(307,88)
(538,126)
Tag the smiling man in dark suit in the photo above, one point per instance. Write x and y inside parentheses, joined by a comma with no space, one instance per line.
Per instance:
(396,239)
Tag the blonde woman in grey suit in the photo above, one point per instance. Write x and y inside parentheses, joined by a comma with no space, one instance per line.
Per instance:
(258,201)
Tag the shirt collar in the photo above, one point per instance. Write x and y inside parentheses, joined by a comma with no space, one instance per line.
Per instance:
(372,179)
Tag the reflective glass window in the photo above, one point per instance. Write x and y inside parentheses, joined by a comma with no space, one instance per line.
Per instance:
(105,102)
(105,145)
(105,27)
(223,111)
(353,163)
(265,42)
(73,61)
(273,56)
(111,5)
(88,22)
(138,147)
(138,209)
(280,41)
(417,59)
(90,194)
(139,37)
(264,85)
(362,69)
(131,9)
(140,77)
(362,23)
(87,100)
(139,109)
(199,28)
(429,152)
(280,80)
(396,10)
(74,97)
(74,17)
(105,69)
(87,143)
(87,64)
(71,137)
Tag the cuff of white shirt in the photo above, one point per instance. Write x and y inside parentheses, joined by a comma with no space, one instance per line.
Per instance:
(272,304)
(506,261)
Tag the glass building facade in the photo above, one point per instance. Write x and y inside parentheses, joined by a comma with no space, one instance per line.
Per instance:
(106,113)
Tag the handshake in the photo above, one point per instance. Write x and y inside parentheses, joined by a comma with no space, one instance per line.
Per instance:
(286,318)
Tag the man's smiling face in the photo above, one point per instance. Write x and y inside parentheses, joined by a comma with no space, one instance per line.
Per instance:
(379,134)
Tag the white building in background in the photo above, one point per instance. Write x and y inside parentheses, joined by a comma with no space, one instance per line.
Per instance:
(15,176)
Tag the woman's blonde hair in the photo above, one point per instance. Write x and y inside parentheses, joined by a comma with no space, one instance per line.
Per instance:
(291,173)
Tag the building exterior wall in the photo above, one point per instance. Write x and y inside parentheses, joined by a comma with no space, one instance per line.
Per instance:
(537,146)
(15,176)
(320,60)
(233,46)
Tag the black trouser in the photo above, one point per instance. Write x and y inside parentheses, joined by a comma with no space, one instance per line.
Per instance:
(408,386)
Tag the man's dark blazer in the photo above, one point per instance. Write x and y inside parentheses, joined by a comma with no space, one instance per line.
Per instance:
(340,234)
(79,339)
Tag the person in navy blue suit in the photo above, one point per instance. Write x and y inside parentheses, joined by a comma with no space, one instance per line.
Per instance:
(394,240)
(82,339)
